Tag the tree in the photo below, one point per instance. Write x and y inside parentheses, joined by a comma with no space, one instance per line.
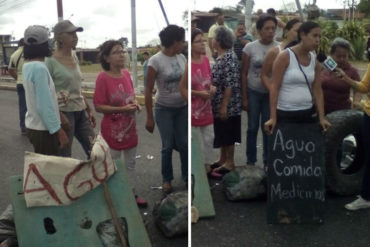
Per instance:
(364,7)
(185,19)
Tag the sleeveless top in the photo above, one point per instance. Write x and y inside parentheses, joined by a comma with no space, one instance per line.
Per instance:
(294,92)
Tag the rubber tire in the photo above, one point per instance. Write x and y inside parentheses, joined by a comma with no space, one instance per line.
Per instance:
(343,123)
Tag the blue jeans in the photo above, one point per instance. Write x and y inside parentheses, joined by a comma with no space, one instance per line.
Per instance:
(82,129)
(365,190)
(22,106)
(258,114)
(173,128)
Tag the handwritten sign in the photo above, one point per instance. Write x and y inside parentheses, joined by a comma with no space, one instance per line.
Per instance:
(296,188)
(52,181)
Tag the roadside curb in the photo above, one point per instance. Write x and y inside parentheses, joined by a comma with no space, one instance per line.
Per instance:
(11,86)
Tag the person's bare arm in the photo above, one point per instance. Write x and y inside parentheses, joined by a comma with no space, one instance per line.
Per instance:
(184,84)
(278,70)
(319,98)
(151,76)
(90,113)
(267,67)
(13,73)
(244,80)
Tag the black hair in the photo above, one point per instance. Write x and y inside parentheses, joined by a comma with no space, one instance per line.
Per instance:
(146,53)
(263,19)
(194,33)
(104,50)
(36,51)
(306,27)
(170,34)
(224,37)
(271,11)
(290,24)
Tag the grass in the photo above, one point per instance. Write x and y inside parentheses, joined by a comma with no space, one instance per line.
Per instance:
(93,68)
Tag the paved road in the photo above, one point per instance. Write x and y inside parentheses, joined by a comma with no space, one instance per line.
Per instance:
(12,146)
(243,224)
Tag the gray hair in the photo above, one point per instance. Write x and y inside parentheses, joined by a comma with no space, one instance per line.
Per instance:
(340,42)
(224,37)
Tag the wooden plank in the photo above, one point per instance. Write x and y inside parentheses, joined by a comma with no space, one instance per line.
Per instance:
(202,195)
(75,224)
(296,189)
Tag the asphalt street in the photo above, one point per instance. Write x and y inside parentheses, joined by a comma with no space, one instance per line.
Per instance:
(244,224)
(13,145)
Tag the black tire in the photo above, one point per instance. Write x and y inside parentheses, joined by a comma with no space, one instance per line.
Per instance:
(344,123)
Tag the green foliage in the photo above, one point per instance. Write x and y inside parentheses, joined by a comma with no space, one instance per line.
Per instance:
(83,63)
(351,31)
(328,29)
(364,7)
(358,48)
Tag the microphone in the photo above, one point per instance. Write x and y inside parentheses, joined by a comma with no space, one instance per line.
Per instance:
(327,62)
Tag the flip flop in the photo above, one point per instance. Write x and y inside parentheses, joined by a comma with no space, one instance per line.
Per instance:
(222,170)
(215,165)
(214,175)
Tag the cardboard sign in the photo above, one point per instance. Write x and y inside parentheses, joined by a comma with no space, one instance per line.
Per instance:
(80,224)
(296,188)
(52,181)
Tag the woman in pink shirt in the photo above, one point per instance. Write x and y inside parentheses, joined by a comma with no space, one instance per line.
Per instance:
(201,94)
(114,96)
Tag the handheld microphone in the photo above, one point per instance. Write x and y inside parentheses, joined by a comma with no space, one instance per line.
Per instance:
(327,62)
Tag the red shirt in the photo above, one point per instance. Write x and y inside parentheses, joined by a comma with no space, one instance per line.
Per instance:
(118,129)
(336,91)
(201,110)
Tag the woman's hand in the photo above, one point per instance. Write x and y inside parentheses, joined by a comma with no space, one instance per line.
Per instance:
(63,138)
(149,125)
(223,113)
(138,106)
(341,74)
(324,124)
(129,108)
(91,118)
(269,126)
(245,104)
(212,90)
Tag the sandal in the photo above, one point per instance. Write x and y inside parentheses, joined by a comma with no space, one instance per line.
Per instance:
(141,202)
(214,175)
(215,165)
(223,170)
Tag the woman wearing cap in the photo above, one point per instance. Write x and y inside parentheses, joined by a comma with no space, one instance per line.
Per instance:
(42,119)
(171,112)
(114,96)
(65,71)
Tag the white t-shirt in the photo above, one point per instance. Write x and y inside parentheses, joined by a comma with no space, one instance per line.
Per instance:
(169,72)
(256,52)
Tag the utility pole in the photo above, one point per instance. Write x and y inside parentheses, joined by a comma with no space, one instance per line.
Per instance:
(299,9)
(60,10)
(248,13)
(164,12)
(133,37)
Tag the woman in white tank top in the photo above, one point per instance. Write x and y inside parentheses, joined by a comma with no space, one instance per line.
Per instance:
(290,29)
(289,91)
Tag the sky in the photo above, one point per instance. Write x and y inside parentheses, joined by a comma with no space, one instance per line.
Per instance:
(206,5)
(101,19)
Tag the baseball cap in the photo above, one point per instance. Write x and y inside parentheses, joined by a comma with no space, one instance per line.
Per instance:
(36,35)
(66,26)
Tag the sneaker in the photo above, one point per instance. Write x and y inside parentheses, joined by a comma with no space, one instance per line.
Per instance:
(141,202)
(359,203)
